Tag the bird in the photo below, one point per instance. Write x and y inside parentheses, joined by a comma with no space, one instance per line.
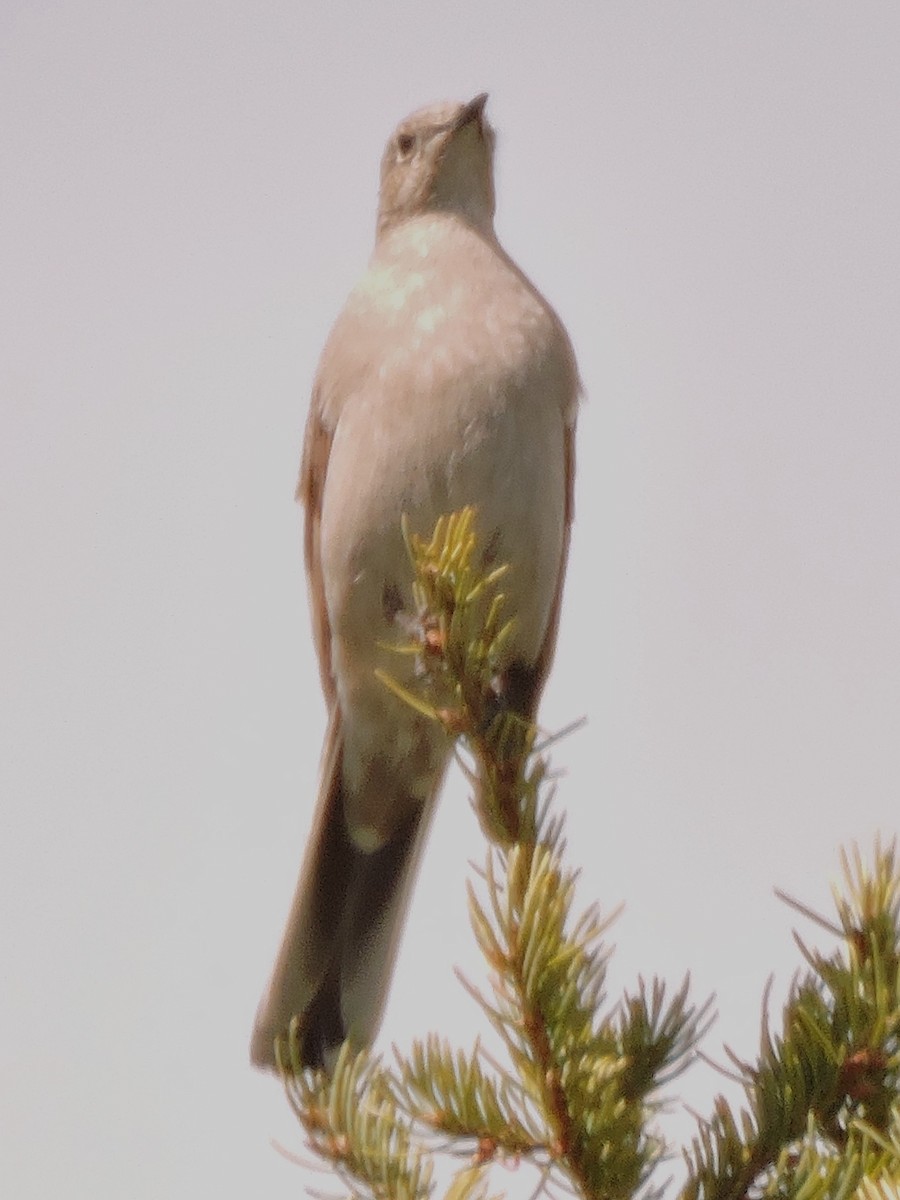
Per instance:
(447,381)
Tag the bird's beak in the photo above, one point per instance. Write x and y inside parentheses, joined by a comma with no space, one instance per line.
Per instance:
(471,112)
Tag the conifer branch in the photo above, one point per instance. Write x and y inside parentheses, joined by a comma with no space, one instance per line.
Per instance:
(581,1084)
(823,1099)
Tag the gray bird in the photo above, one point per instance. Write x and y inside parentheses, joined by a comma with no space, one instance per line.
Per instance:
(446,381)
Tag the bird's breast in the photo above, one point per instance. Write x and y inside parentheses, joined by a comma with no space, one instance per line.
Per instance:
(447,382)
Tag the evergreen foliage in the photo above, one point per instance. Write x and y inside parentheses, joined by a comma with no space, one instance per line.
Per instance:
(581,1078)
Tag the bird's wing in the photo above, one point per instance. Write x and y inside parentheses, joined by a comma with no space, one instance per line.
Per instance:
(548,648)
(314,465)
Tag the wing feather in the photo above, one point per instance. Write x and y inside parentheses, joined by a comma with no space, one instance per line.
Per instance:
(314,465)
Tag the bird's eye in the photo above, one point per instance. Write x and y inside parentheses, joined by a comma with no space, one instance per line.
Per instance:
(405,144)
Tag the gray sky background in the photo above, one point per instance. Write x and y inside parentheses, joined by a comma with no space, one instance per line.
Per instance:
(708,193)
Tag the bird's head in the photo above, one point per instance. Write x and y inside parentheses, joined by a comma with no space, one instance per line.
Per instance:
(440,159)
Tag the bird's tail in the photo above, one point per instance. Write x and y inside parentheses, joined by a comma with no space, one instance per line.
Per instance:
(339,946)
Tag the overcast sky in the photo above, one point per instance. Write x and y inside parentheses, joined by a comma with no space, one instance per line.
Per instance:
(708,194)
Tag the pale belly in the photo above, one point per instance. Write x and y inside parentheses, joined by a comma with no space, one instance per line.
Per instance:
(507,460)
